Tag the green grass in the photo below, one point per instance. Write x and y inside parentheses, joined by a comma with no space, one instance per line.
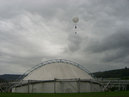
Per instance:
(100,94)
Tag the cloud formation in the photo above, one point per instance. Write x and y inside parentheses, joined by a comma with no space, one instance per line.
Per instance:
(33,31)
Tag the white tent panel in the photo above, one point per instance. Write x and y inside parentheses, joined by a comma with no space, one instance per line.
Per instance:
(58,71)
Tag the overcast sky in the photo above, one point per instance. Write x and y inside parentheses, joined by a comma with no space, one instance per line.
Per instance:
(32,31)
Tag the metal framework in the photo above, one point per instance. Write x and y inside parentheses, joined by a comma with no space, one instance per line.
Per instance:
(116,84)
(54,61)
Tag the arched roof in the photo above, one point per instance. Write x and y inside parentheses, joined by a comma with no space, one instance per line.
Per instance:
(52,62)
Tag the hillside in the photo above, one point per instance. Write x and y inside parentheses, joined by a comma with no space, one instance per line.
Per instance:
(9,77)
(118,73)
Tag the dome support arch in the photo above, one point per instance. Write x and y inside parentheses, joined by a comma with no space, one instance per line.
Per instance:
(54,61)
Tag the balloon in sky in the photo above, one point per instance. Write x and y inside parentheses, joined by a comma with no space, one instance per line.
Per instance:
(75,19)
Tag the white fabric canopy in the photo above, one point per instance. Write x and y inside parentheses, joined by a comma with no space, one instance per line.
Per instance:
(58,71)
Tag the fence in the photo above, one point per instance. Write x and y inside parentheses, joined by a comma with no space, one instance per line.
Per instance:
(115,85)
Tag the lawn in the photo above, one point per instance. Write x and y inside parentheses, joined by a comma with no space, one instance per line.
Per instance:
(100,94)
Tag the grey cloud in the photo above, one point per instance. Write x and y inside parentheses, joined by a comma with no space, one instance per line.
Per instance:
(31,31)
(74,42)
(117,55)
(114,47)
(114,41)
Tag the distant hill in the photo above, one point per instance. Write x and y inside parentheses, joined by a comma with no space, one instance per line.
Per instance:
(118,73)
(1,80)
(9,77)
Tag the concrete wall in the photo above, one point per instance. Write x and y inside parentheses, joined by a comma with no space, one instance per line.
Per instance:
(58,87)
(66,87)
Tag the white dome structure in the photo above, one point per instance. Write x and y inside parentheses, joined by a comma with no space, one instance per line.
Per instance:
(57,76)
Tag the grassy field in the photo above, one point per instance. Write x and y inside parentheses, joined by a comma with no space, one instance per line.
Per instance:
(102,94)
